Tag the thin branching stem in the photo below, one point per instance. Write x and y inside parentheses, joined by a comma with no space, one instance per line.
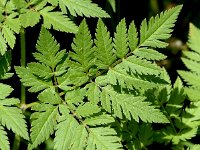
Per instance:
(23,62)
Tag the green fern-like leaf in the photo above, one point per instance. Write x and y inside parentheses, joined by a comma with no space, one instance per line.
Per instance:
(69,134)
(40,70)
(121,39)
(121,75)
(28,79)
(149,54)
(132,36)
(3,46)
(82,7)
(65,130)
(4,143)
(103,138)
(5,90)
(186,120)
(140,66)
(93,93)
(193,41)
(39,76)
(53,2)
(194,147)
(191,61)
(90,96)
(57,20)
(48,49)
(99,120)
(191,55)
(158,28)
(83,54)
(43,124)
(193,121)
(75,96)
(13,23)
(83,110)
(30,18)
(79,141)
(11,117)
(19,4)
(48,96)
(104,48)
(191,78)
(8,36)
(131,107)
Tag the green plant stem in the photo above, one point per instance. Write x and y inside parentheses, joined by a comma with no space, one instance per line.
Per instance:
(23,62)
(168,117)
(16,143)
(26,106)
(23,89)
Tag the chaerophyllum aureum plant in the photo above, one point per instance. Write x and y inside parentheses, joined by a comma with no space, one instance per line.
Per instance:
(104,93)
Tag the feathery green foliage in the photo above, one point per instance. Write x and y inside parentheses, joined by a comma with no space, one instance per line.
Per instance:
(191,61)
(184,120)
(15,15)
(86,94)
(11,117)
(81,7)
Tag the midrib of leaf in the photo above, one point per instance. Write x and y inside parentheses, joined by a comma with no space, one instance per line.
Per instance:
(14,121)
